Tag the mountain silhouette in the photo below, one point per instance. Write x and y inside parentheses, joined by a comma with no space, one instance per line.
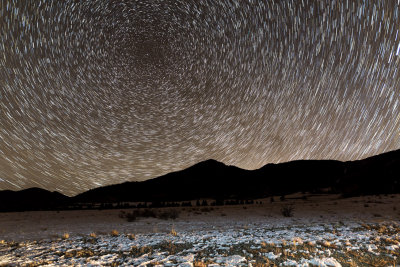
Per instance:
(212,179)
(31,199)
(209,178)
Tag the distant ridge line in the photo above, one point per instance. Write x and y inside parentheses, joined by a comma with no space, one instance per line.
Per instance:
(213,179)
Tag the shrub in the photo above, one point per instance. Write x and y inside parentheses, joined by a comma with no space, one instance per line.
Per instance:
(206,209)
(173,232)
(169,214)
(65,236)
(130,217)
(147,213)
(114,233)
(287,210)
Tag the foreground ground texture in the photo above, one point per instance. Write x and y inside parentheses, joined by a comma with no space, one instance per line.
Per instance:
(323,231)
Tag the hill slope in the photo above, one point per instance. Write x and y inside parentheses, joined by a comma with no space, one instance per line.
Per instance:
(213,179)
(30,199)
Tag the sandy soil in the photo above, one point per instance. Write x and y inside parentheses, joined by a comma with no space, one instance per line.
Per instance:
(316,209)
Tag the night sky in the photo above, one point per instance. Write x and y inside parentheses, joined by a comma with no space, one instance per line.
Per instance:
(100,92)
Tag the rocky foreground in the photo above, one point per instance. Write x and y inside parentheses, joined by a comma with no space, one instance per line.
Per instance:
(365,233)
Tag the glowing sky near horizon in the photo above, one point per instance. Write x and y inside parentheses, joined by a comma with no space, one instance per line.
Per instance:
(100,92)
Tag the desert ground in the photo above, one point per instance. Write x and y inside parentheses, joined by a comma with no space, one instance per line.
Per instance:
(319,230)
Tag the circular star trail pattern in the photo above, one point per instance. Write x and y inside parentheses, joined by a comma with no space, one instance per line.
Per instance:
(100,92)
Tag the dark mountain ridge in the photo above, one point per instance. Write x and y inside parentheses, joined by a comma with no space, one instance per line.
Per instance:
(213,179)
(31,199)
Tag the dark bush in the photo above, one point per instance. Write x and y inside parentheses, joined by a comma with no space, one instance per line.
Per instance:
(145,213)
(287,210)
(168,214)
(206,209)
(132,216)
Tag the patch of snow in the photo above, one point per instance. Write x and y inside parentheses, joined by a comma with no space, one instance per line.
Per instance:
(324,262)
(290,263)
(234,260)
(392,247)
(371,247)
(272,256)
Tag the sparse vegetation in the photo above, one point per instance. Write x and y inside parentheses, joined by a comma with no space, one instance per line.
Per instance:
(173,232)
(384,252)
(149,213)
(93,235)
(206,209)
(348,244)
(65,236)
(168,214)
(114,233)
(79,253)
(287,210)
(199,264)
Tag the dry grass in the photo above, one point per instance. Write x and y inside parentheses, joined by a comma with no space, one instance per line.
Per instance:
(173,232)
(138,251)
(199,264)
(35,263)
(114,233)
(202,263)
(65,236)
(327,244)
(79,253)
(262,264)
(131,236)
(93,235)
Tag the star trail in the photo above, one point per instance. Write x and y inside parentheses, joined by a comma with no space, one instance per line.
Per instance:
(100,92)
